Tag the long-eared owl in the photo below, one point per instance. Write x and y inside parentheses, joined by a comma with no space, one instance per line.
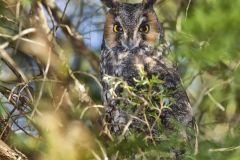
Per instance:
(134,41)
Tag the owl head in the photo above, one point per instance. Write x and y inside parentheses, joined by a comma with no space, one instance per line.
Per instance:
(131,26)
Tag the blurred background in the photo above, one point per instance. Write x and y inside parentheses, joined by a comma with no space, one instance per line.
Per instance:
(50,94)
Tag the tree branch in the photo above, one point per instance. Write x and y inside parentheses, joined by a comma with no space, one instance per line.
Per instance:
(6,153)
(70,31)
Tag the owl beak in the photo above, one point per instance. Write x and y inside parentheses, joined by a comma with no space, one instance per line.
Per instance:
(130,44)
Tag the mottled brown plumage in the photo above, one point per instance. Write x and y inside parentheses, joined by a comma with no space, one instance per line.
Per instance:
(133,38)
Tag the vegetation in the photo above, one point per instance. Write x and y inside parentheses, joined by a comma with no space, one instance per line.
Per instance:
(50,95)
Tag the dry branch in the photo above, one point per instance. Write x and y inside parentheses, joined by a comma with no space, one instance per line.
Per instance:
(6,153)
(35,39)
(70,31)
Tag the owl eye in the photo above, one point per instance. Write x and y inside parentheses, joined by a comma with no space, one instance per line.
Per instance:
(117,28)
(144,28)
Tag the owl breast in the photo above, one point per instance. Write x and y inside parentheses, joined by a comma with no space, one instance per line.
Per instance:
(126,65)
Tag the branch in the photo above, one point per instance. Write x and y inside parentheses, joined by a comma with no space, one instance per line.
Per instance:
(6,153)
(70,31)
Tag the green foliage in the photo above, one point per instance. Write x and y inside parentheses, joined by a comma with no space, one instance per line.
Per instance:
(209,35)
(150,91)
(206,47)
(146,137)
(209,54)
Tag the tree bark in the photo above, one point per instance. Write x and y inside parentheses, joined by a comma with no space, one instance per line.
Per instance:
(6,153)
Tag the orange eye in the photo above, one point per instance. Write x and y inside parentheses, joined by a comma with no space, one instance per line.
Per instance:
(144,28)
(117,28)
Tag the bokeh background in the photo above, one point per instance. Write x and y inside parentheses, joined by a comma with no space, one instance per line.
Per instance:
(50,94)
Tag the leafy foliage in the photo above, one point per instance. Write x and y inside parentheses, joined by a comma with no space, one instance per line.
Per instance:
(144,135)
(49,115)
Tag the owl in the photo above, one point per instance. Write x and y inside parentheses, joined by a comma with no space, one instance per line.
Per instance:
(134,50)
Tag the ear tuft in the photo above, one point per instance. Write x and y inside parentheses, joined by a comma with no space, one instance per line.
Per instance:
(149,3)
(109,3)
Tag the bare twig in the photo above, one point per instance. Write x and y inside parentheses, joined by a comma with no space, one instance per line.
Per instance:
(224,149)
(75,37)
(16,70)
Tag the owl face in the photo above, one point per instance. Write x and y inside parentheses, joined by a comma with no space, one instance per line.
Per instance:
(131,26)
